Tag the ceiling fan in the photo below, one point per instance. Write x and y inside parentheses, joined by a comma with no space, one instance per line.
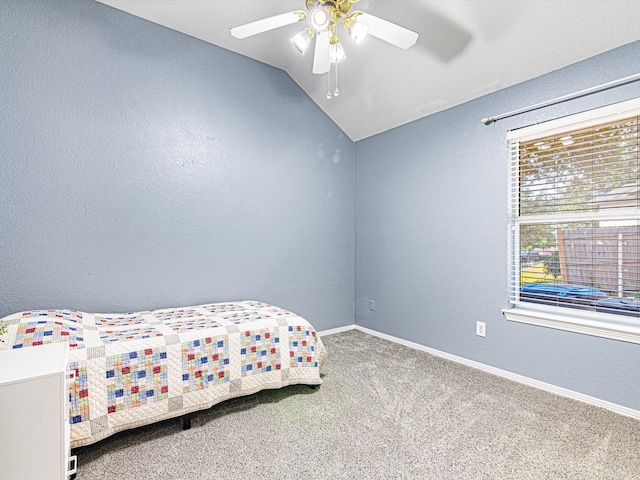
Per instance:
(324,17)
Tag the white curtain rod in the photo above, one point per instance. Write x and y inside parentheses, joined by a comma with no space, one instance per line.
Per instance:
(571,96)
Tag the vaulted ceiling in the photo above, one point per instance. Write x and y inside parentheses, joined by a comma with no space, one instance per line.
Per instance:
(466,49)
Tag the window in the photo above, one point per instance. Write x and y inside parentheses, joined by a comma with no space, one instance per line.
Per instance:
(574,231)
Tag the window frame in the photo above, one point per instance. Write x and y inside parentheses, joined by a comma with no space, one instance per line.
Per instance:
(601,324)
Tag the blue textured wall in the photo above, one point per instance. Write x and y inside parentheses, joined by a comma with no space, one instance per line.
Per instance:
(431,206)
(142,168)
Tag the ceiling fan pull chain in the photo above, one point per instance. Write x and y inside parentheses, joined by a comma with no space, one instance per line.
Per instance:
(336,92)
(329,83)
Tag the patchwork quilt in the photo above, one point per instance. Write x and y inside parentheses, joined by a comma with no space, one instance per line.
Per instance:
(138,368)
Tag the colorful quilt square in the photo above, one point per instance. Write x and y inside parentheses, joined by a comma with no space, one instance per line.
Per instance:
(79,393)
(172,315)
(279,312)
(111,336)
(192,323)
(303,345)
(136,378)
(260,351)
(220,308)
(243,317)
(56,315)
(44,331)
(205,362)
(119,320)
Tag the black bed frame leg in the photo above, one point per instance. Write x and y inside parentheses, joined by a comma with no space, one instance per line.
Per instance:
(186,421)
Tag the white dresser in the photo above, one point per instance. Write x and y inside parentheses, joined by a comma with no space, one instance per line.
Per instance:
(34,413)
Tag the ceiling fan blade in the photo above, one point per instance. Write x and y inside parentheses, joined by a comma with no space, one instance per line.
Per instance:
(389,32)
(259,26)
(321,55)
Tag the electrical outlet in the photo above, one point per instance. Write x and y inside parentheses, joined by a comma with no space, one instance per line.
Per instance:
(481,329)
(372,305)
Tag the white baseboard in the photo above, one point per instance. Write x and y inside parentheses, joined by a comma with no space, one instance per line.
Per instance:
(626,411)
(339,330)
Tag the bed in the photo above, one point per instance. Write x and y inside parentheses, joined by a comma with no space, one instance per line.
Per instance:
(134,369)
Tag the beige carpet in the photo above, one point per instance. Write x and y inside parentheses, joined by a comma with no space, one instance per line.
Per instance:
(383,411)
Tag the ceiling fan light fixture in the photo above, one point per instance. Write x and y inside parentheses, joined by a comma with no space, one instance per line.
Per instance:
(325,16)
(303,39)
(320,19)
(336,52)
(358,31)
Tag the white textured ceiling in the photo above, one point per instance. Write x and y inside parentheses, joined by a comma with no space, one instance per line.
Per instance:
(466,49)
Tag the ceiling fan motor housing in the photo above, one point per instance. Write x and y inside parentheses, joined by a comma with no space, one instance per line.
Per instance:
(335,11)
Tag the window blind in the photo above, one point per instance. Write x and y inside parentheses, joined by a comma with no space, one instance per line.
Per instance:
(574,211)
